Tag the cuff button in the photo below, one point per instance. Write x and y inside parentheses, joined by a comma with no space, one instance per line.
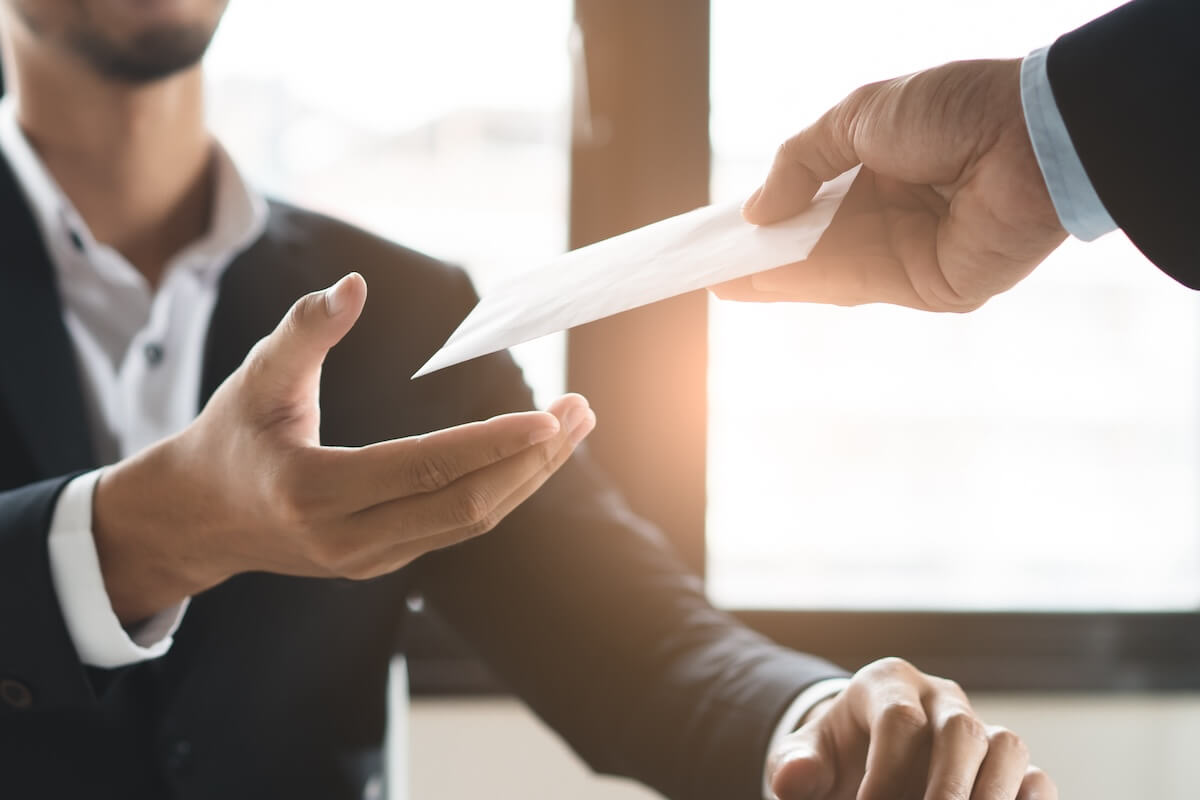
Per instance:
(15,694)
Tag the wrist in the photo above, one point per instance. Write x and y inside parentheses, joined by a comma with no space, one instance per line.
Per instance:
(144,525)
(1076,205)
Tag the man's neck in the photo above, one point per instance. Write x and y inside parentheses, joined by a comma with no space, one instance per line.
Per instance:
(135,161)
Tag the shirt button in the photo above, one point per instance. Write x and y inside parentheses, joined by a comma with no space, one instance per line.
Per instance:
(75,238)
(154,353)
(15,694)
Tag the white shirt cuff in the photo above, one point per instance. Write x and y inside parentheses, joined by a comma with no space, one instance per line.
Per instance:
(1079,207)
(99,638)
(804,702)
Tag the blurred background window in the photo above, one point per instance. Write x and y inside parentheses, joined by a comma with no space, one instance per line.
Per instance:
(440,125)
(1041,453)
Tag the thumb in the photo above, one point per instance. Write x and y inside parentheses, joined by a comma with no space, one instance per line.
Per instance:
(294,351)
(817,154)
(804,770)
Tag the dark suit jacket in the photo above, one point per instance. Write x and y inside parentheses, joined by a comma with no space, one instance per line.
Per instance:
(275,686)
(1128,87)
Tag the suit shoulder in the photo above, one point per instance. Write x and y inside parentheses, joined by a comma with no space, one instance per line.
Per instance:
(334,246)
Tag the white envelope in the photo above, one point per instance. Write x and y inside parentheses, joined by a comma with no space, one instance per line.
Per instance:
(681,254)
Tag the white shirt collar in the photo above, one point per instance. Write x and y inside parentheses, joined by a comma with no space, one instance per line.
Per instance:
(239,214)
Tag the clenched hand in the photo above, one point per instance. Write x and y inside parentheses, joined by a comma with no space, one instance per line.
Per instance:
(896,733)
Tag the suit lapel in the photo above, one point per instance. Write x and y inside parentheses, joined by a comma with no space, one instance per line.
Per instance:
(255,292)
(39,379)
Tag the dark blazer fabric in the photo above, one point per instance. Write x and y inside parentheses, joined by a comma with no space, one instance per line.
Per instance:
(1128,87)
(275,686)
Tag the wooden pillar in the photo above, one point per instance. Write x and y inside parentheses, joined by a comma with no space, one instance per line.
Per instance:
(642,153)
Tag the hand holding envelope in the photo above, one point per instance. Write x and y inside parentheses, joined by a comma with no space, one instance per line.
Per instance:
(701,248)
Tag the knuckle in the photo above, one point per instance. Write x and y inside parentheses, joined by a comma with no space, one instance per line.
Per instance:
(488,523)
(893,667)
(903,715)
(807,151)
(473,508)
(786,153)
(960,299)
(952,688)
(962,723)
(840,128)
(487,520)
(300,311)
(497,452)
(431,472)
(1006,740)
(869,98)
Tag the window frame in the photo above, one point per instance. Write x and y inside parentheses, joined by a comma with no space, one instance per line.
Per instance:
(646,155)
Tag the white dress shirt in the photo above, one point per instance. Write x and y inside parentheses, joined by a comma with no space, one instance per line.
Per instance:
(139,352)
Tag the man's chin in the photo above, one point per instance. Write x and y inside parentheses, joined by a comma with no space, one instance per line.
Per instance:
(150,56)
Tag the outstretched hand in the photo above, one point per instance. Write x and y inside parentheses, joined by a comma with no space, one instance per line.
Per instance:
(949,209)
(248,486)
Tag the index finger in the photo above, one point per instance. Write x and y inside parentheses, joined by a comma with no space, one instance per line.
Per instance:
(367,476)
(817,154)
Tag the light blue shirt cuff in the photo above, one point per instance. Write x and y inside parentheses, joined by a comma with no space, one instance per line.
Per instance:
(1079,208)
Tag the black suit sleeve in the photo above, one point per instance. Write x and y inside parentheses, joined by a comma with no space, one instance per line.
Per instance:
(38,663)
(1126,85)
(583,609)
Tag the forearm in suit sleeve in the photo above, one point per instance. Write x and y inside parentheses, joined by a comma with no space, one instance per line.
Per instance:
(1126,86)
(584,611)
(36,652)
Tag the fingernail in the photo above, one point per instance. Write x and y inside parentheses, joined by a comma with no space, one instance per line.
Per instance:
(752,199)
(544,434)
(335,297)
